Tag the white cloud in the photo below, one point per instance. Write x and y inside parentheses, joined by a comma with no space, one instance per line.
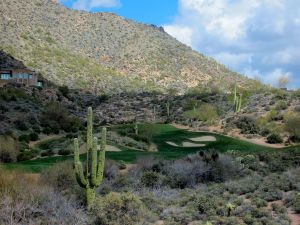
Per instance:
(233,60)
(288,56)
(273,77)
(91,4)
(182,34)
(259,37)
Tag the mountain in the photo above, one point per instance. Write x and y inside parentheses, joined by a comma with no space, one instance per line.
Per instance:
(102,51)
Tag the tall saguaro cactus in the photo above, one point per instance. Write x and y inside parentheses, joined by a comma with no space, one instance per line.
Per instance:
(238,103)
(168,108)
(136,128)
(93,175)
(234,95)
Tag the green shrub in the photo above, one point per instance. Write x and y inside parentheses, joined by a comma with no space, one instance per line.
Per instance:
(247,125)
(55,117)
(24,137)
(150,179)
(293,127)
(64,90)
(61,176)
(33,136)
(64,152)
(281,105)
(274,138)
(205,112)
(119,208)
(27,155)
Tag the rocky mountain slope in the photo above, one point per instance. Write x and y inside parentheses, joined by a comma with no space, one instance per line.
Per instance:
(103,51)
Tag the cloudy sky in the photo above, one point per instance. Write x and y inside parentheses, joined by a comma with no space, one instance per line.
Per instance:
(258,38)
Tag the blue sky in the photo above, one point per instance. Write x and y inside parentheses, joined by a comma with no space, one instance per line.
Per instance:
(257,38)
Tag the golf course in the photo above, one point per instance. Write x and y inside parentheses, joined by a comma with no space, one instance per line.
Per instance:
(171,143)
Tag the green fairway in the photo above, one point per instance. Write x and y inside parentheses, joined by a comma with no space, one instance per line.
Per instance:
(163,133)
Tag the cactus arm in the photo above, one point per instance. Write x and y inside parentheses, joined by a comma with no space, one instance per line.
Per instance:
(94,162)
(78,166)
(101,159)
(235,97)
(240,102)
(89,139)
(90,129)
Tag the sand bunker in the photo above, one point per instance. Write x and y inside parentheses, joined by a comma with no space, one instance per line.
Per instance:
(185,144)
(172,143)
(190,144)
(203,138)
(110,148)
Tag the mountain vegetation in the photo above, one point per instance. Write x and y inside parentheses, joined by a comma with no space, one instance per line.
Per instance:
(104,52)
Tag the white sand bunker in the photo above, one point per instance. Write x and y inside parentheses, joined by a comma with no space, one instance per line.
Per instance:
(204,138)
(190,144)
(172,143)
(185,144)
(110,148)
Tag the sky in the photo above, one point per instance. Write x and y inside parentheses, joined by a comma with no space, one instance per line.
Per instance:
(257,38)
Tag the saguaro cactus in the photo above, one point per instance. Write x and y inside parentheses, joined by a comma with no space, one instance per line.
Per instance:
(168,108)
(238,103)
(136,128)
(93,176)
(234,94)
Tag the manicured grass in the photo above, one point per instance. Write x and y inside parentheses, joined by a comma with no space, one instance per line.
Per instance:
(163,133)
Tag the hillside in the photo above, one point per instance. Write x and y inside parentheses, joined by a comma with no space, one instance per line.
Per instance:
(103,51)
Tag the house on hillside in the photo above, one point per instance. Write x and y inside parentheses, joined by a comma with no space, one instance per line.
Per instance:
(22,76)
(14,71)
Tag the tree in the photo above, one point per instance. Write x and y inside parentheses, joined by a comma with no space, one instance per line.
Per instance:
(283,81)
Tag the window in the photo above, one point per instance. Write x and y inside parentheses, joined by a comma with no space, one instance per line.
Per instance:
(30,76)
(5,76)
(40,83)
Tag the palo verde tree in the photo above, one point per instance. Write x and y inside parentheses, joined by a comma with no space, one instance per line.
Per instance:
(92,177)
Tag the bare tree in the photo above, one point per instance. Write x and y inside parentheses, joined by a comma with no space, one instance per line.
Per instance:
(283,81)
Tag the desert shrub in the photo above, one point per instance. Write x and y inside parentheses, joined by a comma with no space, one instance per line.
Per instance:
(64,90)
(33,136)
(243,186)
(225,168)
(274,138)
(9,149)
(118,208)
(207,203)
(24,137)
(27,155)
(122,165)
(150,179)
(21,125)
(297,109)
(205,112)
(61,176)
(247,125)
(111,170)
(258,202)
(183,173)
(272,115)
(293,127)
(281,105)
(64,151)
(12,94)
(55,116)
(24,200)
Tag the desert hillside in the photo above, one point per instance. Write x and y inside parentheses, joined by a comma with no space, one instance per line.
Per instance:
(104,51)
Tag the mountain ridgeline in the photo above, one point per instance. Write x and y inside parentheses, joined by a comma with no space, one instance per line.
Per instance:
(104,52)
